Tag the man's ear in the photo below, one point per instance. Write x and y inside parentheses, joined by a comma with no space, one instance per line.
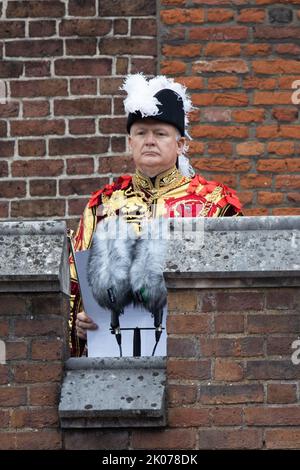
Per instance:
(180,145)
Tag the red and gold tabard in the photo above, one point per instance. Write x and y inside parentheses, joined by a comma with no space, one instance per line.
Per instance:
(137,197)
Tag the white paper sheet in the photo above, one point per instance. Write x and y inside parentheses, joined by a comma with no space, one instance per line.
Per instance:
(101,342)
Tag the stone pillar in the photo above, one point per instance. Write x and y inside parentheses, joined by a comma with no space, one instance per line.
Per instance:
(34,311)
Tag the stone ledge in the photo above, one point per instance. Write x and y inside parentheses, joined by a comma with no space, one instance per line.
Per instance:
(234,252)
(113,392)
(34,257)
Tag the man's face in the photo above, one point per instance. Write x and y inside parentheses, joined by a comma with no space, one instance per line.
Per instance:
(155,146)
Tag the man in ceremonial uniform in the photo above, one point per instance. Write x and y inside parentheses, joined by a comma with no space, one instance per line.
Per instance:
(164,183)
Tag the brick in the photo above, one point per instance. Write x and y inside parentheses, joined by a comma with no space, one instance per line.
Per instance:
(119,165)
(182,347)
(279,345)
(38,208)
(269,198)
(32,148)
(3,208)
(275,66)
(230,439)
(173,33)
(13,396)
(264,97)
(163,439)
(121,26)
(220,83)
(229,371)
(288,49)
(147,65)
(143,27)
(190,50)
(81,186)
(76,206)
(80,86)
(220,99)
(293,197)
(4,418)
(224,148)
(179,394)
(3,169)
(251,15)
(95,439)
(282,438)
(37,127)
(82,107)
(257,49)
(4,328)
(10,109)
(250,148)
(16,350)
(43,395)
(86,8)
(118,106)
(36,108)
(118,144)
(188,417)
(281,148)
(191,370)
(35,9)
(249,115)
(287,181)
(37,167)
(4,374)
(6,148)
(285,114)
(169,67)
(38,68)
(188,324)
(259,83)
(233,301)
(231,393)
(238,347)
(35,48)
(12,304)
(3,129)
(38,327)
(34,88)
(42,28)
(219,15)
(271,370)
(220,65)
(227,416)
(11,189)
(82,46)
(7,440)
(196,147)
(86,67)
(219,132)
(255,181)
(121,65)
(49,439)
(112,125)
(80,166)
(275,32)
(281,393)
(218,33)
(219,164)
(47,350)
(31,373)
(175,16)
(78,146)
(126,8)
(34,418)
(49,304)
(229,323)
(112,46)
(183,301)
(271,416)
(222,49)
(192,83)
(85,27)
(276,165)
(12,29)
(273,323)
(10,69)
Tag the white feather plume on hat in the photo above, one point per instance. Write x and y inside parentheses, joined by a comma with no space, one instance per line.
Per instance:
(140,94)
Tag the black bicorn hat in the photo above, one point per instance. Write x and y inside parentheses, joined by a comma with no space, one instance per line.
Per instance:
(160,98)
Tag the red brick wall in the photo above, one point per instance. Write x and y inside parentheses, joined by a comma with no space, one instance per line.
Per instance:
(34,329)
(240,58)
(62,132)
(231,380)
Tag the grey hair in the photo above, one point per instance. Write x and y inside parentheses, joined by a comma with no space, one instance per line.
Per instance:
(184,165)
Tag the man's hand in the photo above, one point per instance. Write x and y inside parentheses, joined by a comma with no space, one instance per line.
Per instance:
(83,323)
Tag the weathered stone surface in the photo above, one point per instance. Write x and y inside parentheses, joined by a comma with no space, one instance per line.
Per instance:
(33,257)
(113,392)
(261,251)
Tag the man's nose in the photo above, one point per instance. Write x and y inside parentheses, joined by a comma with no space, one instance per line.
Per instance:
(149,138)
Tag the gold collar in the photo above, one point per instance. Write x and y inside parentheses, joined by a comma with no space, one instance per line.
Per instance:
(171,177)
